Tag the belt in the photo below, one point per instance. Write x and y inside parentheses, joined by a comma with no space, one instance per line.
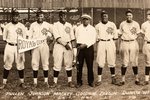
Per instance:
(104,40)
(148,42)
(127,40)
(12,44)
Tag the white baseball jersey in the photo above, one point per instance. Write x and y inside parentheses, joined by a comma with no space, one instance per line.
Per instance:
(106,31)
(12,32)
(65,32)
(40,31)
(86,35)
(129,31)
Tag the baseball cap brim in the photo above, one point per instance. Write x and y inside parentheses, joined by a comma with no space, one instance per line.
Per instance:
(86,16)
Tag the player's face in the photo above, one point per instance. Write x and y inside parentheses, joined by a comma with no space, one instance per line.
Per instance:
(129,16)
(63,17)
(148,17)
(40,18)
(15,18)
(104,18)
(85,21)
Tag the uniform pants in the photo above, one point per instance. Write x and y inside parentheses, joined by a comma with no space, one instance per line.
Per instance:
(86,54)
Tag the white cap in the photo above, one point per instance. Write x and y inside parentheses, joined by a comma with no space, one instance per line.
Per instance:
(86,16)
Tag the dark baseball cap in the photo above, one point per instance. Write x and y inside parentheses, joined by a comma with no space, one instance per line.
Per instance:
(15,13)
(128,11)
(103,12)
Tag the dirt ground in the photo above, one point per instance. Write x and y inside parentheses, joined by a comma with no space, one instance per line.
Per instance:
(106,91)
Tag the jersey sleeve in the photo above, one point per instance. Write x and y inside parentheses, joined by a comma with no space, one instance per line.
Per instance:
(55,31)
(31,30)
(138,28)
(24,31)
(121,28)
(115,31)
(97,32)
(50,30)
(143,29)
(5,33)
(72,35)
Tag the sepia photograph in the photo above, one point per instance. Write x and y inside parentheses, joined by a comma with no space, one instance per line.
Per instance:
(74,49)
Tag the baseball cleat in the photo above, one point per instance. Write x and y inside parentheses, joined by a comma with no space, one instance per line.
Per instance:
(70,84)
(2,86)
(98,83)
(121,83)
(91,84)
(22,85)
(53,85)
(145,83)
(114,81)
(137,83)
(78,85)
(46,85)
(34,86)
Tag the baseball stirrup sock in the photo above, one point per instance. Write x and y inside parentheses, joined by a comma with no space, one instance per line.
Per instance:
(56,73)
(123,70)
(5,73)
(69,73)
(147,70)
(100,70)
(35,74)
(112,70)
(135,70)
(21,73)
(45,73)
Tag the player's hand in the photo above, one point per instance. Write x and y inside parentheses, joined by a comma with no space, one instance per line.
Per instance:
(67,47)
(82,46)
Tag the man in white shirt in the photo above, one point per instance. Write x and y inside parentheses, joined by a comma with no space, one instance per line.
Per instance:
(106,50)
(63,48)
(85,38)
(40,30)
(12,31)
(129,47)
(145,27)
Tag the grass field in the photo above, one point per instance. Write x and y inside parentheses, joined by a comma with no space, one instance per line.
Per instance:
(106,91)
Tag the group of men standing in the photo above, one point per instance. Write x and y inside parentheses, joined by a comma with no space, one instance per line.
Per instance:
(77,46)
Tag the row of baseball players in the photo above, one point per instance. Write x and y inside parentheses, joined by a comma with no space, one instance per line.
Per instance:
(69,45)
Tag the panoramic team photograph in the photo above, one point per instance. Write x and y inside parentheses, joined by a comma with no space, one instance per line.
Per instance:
(74,49)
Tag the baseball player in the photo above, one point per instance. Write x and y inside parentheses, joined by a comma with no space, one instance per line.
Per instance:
(62,51)
(129,30)
(146,47)
(86,38)
(106,50)
(40,30)
(12,31)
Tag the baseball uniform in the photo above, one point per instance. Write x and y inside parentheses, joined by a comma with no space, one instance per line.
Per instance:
(106,49)
(145,28)
(129,46)
(65,32)
(40,31)
(10,35)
